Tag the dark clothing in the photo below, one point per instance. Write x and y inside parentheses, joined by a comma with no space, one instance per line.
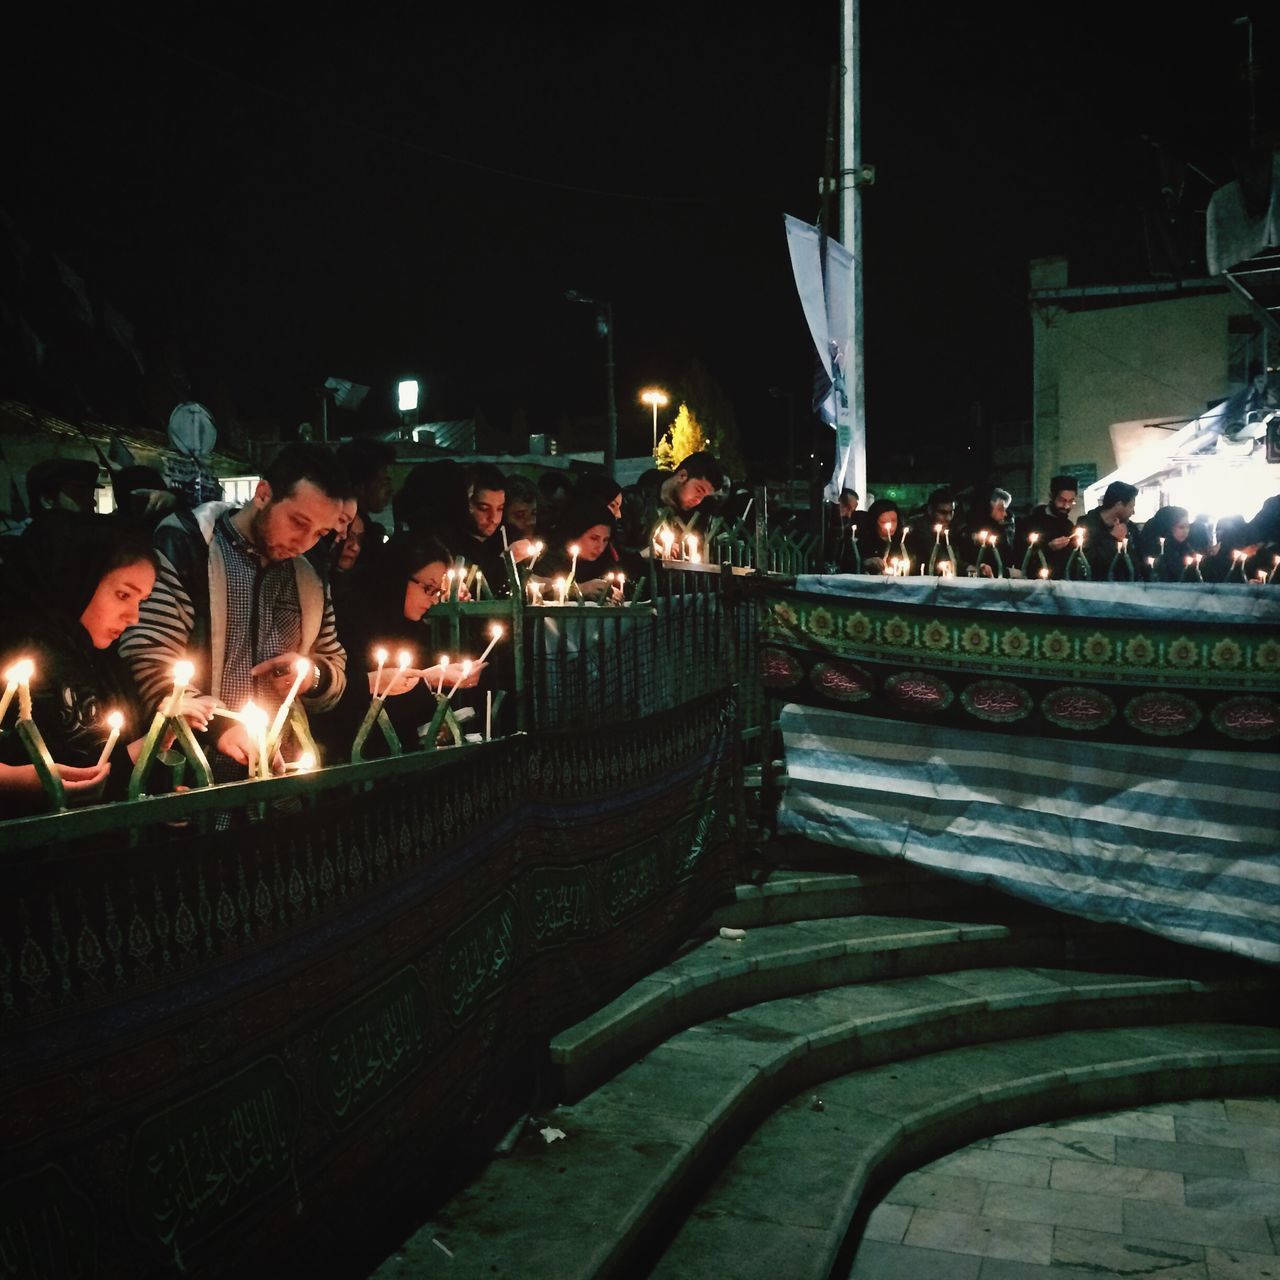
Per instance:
(920,541)
(74,688)
(1049,525)
(1100,547)
(874,548)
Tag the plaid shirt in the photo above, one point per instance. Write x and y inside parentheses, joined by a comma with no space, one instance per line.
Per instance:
(264,619)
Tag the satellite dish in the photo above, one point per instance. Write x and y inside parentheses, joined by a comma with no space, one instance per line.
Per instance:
(191,430)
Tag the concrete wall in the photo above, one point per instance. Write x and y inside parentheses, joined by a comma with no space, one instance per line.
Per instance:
(1095,365)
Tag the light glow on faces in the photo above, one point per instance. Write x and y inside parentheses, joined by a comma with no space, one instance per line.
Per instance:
(425,589)
(113,607)
(485,507)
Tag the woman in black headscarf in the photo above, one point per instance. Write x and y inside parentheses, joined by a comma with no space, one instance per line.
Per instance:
(1162,545)
(591,530)
(384,609)
(74,591)
(878,536)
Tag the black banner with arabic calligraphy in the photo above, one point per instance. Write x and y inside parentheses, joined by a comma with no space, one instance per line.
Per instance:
(229,1053)
(1195,680)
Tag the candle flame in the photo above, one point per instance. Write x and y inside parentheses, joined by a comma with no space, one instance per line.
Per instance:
(21,672)
(622,577)
(575,551)
(403,658)
(381,655)
(302,667)
(496,630)
(182,672)
(444,659)
(537,548)
(1044,573)
(253,715)
(1033,538)
(115,721)
(982,537)
(306,761)
(937,528)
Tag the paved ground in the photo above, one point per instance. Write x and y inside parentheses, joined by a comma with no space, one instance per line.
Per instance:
(1182,1191)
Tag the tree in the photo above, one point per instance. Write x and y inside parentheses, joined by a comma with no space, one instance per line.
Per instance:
(683,437)
(707,406)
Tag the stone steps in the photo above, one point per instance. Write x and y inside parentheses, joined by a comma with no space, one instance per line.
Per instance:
(638,1149)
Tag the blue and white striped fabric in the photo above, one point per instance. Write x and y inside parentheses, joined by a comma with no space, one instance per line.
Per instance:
(1185,844)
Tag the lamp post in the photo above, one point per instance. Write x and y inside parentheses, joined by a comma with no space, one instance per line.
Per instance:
(659,399)
(604,327)
(407,401)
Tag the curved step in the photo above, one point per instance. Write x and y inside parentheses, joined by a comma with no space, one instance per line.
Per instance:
(635,1147)
(784,1204)
(721,975)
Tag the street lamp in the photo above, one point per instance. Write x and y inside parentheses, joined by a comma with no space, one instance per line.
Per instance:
(604,326)
(659,399)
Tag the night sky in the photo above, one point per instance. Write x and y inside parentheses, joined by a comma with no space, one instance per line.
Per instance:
(402,189)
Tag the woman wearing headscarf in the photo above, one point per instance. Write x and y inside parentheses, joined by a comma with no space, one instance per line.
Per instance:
(74,595)
(1234,539)
(384,609)
(878,536)
(1162,545)
(590,529)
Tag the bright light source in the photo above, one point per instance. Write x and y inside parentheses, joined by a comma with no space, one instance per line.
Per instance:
(408,395)
(655,396)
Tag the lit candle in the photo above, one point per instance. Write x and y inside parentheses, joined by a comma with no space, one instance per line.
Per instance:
(115,722)
(304,763)
(1151,562)
(488,714)
(1162,546)
(666,537)
(622,581)
(1033,538)
(937,533)
(496,632)
(691,547)
(1262,576)
(1199,557)
(574,551)
(1044,575)
(535,592)
(15,676)
(444,662)
(403,658)
(1079,536)
(537,551)
(182,673)
(561,588)
(381,655)
(466,671)
(479,582)
(1186,560)
(26,671)
(302,668)
(255,720)
(506,546)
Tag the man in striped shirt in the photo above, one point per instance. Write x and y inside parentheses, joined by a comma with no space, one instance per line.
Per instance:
(237,598)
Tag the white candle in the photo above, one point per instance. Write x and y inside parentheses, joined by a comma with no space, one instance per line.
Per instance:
(937,533)
(488,714)
(255,720)
(537,551)
(303,670)
(575,551)
(381,655)
(622,583)
(666,537)
(561,588)
(506,546)
(496,632)
(305,762)
(444,662)
(466,671)
(24,689)
(448,584)
(115,721)
(535,593)
(1033,538)
(1044,575)
(691,547)
(14,677)
(182,673)
(403,658)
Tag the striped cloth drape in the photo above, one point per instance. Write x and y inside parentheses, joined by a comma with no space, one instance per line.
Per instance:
(1184,843)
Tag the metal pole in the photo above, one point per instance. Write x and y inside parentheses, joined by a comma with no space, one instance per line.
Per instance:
(655,424)
(611,437)
(851,236)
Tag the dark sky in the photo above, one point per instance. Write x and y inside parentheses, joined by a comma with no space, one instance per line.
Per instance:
(286,198)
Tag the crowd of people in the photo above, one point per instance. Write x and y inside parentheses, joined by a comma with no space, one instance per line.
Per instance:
(288,594)
(1105,544)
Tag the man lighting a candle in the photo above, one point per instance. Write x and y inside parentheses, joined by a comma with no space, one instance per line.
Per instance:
(1051,523)
(1109,524)
(237,597)
(672,497)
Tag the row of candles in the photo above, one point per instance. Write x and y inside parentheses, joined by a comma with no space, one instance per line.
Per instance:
(669,546)
(265,731)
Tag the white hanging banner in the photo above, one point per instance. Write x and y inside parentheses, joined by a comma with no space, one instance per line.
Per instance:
(823,270)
